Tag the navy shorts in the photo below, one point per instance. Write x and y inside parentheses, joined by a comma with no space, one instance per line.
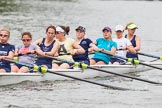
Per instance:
(28,65)
(48,65)
(8,70)
(19,66)
(60,63)
(97,60)
(84,61)
(112,60)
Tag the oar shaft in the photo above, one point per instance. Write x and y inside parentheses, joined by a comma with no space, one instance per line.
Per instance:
(135,61)
(149,55)
(101,70)
(150,65)
(123,75)
(92,82)
(84,80)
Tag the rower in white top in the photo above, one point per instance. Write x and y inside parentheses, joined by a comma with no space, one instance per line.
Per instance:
(123,45)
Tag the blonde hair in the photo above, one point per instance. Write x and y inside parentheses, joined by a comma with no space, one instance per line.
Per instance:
(4,29)
(126,27)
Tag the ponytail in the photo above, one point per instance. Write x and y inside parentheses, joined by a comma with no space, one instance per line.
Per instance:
(66,29)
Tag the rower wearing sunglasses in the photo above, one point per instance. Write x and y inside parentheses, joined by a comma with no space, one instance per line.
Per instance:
(6,51)
(26,53)
(68,47)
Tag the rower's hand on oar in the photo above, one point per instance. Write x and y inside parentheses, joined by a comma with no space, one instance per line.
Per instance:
(97,49)
(32,52)
(90,49)
(124,48)
(106,52)
(56,54)
(1,57)
(101,50)
(26,53)
(21,54)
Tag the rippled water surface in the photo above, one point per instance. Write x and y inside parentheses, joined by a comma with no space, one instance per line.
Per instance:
(36,15)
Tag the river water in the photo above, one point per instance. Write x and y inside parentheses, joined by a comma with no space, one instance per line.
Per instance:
(35,16)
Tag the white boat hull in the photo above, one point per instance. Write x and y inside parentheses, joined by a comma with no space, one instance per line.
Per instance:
(13,78)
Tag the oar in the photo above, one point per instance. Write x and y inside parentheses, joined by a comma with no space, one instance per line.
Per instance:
(84,66)
(149,55)
(89,53)
(134,61)
(44,70)
(24,54)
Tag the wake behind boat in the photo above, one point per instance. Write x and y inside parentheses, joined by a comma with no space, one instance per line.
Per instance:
(14,78)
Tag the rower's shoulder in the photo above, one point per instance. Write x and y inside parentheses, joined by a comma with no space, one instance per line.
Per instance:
(9,45)
(38,41)
(137,37)
(70,40)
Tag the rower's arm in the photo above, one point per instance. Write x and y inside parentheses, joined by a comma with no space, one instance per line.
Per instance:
(39,52)
(138,43)
(9,56)
(54,49)
(92,46)
(16,52)
(131,49)
(78,49)
(37,42)
(111,52)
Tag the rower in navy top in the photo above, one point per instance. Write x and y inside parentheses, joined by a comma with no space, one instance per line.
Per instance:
(49,46)
(85,43)
(6,51)
(44,60)
(135,40)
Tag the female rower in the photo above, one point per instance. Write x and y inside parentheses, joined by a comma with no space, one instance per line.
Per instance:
(26,53)
(135,40)
(49,46)
(68,47)
(85,43)
(6,51)
(123,46)
(104,45)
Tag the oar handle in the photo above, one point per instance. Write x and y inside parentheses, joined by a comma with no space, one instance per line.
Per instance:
(20,54)
(65,54)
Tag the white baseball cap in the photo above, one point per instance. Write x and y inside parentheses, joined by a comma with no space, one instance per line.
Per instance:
(119,28)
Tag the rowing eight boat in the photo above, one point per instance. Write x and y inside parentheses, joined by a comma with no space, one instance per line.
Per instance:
(14,78)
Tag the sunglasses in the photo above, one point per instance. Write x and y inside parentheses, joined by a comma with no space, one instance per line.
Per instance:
(25,40)
(5,35)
